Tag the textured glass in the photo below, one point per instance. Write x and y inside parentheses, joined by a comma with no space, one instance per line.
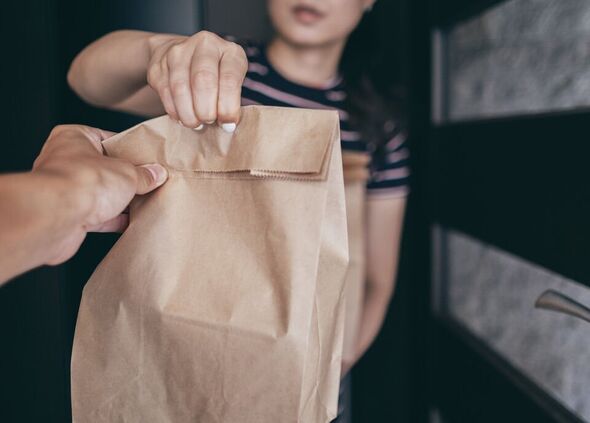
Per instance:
(522,56)
(492,293)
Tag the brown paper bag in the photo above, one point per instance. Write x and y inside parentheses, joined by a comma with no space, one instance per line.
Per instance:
(355,179)
(223,300)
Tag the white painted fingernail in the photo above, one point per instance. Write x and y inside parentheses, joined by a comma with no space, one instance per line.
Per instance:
(198,128)
(210,122)
(229,127)
(180,123)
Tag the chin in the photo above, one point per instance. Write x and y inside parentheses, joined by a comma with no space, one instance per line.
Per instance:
(306,37)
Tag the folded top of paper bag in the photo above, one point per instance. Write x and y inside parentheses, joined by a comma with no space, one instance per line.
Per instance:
(262,145)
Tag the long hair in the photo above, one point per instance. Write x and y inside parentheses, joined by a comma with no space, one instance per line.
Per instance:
(373,84)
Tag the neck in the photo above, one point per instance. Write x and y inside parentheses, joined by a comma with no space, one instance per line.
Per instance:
(311,66)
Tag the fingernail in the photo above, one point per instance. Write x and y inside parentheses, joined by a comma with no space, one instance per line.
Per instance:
(210,122)
(229,127)
(180,123)
(158,172)
(198,128)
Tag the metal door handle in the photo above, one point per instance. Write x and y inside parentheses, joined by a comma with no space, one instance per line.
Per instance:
(555,301)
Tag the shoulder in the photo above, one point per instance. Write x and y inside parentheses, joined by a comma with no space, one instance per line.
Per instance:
(390,165)
(395,133)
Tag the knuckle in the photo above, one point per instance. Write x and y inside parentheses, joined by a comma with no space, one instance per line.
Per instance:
(176,52)
(204,79)
(227,114)
(206,111)
(187,116)
(90,176)
(228,110)
(234,51)
(154,73)
(230,81)
(207,115)
(237,51)
(237,58)
(190,122)
(243,65)
(127,171)
(154,80)
(61,130)
(57,130)
(205,37)
(178,86)
(65,127)
(170,110)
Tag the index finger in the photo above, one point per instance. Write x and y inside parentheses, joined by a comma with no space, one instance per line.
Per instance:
(96,136)
(73,134)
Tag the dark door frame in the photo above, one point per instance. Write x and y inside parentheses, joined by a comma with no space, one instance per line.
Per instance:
(468,381)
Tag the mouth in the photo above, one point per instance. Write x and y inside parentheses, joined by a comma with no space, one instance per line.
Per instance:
(307,15)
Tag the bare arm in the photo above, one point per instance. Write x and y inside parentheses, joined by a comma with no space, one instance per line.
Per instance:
(111,72)
(73,189)
(195,79)
(29,225)
(384,229)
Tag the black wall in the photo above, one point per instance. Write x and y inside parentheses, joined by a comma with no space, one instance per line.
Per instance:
(38,310)
(32,381)
(392,383)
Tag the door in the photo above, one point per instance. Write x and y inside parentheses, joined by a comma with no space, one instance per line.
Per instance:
(509,211)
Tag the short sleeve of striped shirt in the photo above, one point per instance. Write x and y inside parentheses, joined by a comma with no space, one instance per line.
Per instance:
(389,167)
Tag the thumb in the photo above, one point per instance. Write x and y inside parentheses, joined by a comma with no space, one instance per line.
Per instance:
(150,177)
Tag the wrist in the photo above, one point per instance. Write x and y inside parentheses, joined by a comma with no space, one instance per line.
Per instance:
(68,203)
(35,221)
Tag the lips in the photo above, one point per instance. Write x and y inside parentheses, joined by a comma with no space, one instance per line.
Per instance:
(307,15)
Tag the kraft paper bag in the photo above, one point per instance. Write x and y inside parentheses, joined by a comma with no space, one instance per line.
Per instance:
(223,301)
(356,175)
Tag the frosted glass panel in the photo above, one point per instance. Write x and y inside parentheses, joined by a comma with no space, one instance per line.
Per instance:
(522,56)
(492,293)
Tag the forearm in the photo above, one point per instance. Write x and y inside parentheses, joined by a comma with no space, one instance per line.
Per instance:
(35,214)
(113,68)
(376,303)
(384,229)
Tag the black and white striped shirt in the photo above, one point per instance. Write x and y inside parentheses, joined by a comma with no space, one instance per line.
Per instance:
(389,173)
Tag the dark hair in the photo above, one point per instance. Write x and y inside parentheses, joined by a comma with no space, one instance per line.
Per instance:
(372,82)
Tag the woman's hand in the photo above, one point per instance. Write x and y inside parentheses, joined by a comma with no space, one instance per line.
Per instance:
(198,78)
